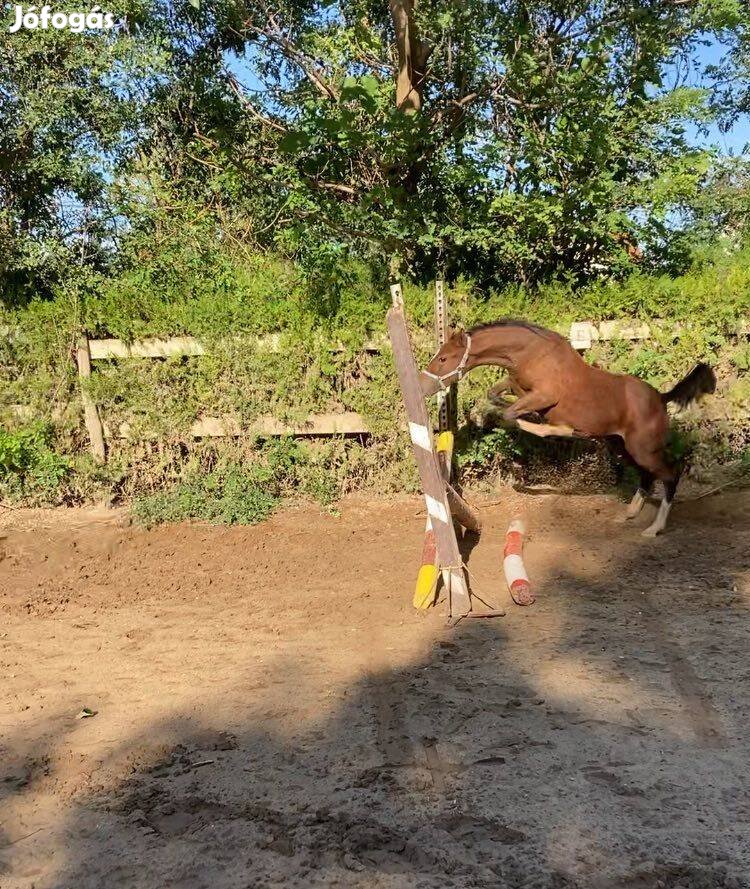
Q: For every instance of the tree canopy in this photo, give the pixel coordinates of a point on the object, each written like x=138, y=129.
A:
x=511, y=140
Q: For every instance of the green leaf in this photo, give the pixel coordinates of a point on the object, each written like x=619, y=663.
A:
x=294, y=142
x=370, y=85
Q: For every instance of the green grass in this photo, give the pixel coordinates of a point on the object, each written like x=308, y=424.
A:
x=231, y=495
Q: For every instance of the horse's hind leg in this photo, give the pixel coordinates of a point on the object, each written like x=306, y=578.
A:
x=653, y=464
x=641, y=493
x=617, y=446
x=660, y=522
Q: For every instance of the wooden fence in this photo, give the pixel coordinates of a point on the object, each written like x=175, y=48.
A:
x=582, y=335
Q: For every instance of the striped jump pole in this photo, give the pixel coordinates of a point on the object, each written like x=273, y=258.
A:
x=513, y=567
x=425, y=588
x=448, y=556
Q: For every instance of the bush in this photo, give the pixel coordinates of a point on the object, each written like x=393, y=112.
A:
x=246, y=491
x=28, y=465
x=230, y=495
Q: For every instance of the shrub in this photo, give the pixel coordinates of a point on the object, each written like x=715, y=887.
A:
x=28, y=465
x=228, y=495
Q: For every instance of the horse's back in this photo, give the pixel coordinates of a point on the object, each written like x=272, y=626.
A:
x=590, y=399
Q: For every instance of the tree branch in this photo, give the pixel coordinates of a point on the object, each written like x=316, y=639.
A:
x=413, y=54
x=248, y=105
x=275, y=35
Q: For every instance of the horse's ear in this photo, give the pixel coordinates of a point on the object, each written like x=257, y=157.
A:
x=458, y=332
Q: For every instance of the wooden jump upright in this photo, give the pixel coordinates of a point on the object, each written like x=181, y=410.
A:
x=439, y=496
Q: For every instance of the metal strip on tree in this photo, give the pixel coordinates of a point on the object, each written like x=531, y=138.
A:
x=447, y=400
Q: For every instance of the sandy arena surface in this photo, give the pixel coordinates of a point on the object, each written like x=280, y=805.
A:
x=270, y=710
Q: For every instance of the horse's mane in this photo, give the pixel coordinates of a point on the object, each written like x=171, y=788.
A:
x=514, y=322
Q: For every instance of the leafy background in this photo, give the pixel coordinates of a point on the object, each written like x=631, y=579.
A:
x=227, y=169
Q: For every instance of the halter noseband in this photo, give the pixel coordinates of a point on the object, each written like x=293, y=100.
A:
x=458, y=370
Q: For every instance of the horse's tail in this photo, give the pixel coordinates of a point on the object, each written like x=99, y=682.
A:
x=700, y=381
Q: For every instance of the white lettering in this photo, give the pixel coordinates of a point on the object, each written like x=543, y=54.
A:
x=19, y=20
x=31, y=19
x=95, y=19
x=77, y=22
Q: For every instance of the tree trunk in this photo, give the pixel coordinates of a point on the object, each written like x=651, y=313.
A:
x=413, y=54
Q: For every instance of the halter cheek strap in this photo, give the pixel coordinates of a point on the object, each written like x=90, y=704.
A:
x=458, y=370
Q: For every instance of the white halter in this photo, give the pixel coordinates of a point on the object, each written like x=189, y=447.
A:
x=458, y=370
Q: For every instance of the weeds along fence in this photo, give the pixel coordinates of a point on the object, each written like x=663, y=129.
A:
x=582, y=336
x=199, y=426
x=262, y=385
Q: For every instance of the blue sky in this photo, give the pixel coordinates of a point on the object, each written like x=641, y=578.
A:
x=735, y=141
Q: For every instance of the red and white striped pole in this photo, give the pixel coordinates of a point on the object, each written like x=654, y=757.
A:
x=513, y=567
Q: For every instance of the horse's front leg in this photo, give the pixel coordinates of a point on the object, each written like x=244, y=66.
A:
x=532, y=402
x=528, y=403
x=500, y=388
x=544, y=430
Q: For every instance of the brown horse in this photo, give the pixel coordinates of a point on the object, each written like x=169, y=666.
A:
x=552, y=380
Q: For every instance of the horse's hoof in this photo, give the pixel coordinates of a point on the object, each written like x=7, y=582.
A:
x=651, y=532
x=627, y=517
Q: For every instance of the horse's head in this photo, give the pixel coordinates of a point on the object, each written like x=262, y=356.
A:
x=448, y=365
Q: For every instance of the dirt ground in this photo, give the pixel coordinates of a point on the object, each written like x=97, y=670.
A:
x=270, y=711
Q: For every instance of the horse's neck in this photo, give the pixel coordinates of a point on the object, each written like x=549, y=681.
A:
x=498, y=345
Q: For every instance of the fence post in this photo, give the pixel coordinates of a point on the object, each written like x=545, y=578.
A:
x=90, y=413
x=447, y=401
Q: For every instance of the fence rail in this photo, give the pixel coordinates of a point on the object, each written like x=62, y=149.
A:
x=188, y=346
x=347, y=423
x=582, y=335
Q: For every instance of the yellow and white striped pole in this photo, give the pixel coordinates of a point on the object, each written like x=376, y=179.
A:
x=425, y=589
